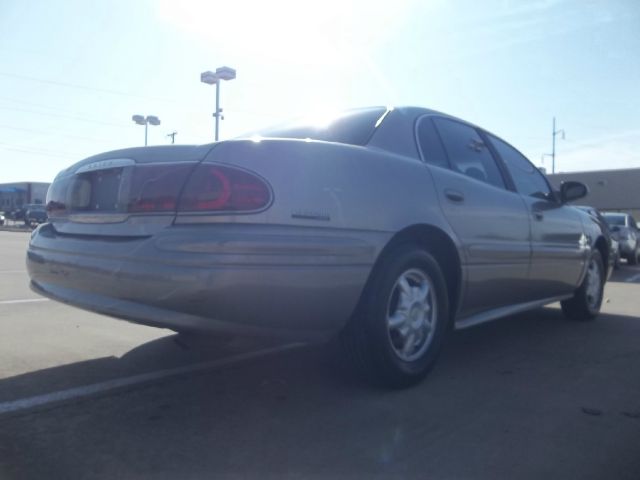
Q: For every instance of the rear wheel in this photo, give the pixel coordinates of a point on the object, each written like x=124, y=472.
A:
x=396, y=334
x=587, y=299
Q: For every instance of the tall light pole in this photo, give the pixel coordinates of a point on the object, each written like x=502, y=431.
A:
x=553, y=145
x=211, y=78
x=149, y=119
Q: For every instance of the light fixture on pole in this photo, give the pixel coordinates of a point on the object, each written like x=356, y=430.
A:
x=211, y=78
x=149, y=119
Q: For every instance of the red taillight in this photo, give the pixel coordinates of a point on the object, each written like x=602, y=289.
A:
x=56, y=203
x=155, y=188
x=219, y=188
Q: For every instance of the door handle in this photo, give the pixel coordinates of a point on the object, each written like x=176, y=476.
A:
x=538, y=215
x=454, y=195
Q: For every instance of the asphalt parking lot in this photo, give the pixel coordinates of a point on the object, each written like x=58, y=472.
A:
x=531, y=396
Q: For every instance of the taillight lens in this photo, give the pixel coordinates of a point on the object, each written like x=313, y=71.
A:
x=57, y=197
x=155, y=188
x=150, y=188
x=218, y=188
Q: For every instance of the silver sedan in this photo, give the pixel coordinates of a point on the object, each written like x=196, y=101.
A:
x=386, y=227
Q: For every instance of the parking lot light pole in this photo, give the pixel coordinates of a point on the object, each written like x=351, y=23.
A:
x=211, y=78
x=149, y=119
x=553, y=147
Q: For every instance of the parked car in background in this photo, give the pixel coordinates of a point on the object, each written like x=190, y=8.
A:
x=2, y=218
x=624, y=229
x=34, y=214
x=614, y=245
x=386, y=227
x=19, y=213
x=15, y=215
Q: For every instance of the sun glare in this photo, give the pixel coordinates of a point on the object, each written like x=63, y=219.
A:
x=320, y=48
x=321, y=119
x=275, y=30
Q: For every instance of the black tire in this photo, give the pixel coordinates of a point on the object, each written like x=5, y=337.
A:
x=587, y=299
x=633, y=258
x=375, y=346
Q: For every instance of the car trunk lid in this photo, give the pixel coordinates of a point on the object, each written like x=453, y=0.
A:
x=132, y=192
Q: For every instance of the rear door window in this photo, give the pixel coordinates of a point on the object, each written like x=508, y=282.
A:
x=430, y=144
x=467, y=152
x=527, y=178
x=351, y=127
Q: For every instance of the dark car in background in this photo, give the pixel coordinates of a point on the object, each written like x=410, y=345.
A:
x=34, y=214
x=614, y=245
x=15, y=215
x=624, y=229
x=20, y=214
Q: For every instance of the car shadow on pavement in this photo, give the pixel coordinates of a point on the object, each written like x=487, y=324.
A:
x=166, y=353
x=528, y=396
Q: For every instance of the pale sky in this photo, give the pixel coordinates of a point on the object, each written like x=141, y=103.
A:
x=73, y=72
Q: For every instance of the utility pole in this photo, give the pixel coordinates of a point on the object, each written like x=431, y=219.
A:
x=173, y=137
x=553, y=144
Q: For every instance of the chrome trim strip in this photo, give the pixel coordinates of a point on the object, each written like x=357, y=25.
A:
x=100, y=217
x=106, y=164
x=505, y=311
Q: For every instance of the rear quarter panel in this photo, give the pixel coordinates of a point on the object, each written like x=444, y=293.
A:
x=334, y=204
x=320, y=184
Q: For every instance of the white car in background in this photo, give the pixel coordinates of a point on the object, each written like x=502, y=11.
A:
x=624, y=229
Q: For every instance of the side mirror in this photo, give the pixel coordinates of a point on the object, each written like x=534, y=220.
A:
x=570, y=191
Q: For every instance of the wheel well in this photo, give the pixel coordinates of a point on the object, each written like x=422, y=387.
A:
x=444, y=251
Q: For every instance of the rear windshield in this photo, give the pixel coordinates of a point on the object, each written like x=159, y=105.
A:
x=353, y=127
x=612, y=219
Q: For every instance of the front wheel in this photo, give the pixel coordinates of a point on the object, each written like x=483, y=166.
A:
x=395, y=336
x=587, y=299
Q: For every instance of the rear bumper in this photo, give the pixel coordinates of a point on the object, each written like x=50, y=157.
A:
x=286, y=281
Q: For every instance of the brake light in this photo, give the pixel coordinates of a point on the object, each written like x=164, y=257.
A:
x=152, y=188
x=56, y=197
x=155, y=188
x=218, y=188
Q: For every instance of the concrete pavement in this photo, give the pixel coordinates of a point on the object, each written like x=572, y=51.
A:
x=530, y=396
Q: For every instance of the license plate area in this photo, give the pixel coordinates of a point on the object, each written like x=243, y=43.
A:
x=100, y=191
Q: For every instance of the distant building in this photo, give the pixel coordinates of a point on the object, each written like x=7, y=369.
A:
x=14, y=195
x=617, y=190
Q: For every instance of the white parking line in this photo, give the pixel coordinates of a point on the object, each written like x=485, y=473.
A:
x=635, y=278
x=102, y=387
x=13, y=271
x=23, y=300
